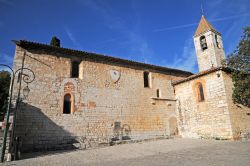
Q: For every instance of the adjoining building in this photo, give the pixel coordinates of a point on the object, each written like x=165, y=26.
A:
x=81, y=99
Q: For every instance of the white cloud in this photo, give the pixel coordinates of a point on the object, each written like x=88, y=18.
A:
x=242, y=16
x=137, y=46
x=175, y=27
x=235, y=17
x=72, y=38
x=187, y=60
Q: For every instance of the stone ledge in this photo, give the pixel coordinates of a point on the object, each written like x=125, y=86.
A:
x=166, y=99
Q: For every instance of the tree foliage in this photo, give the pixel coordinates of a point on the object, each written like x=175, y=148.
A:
x=55, y=41
x=4, y=89
x=239, y=61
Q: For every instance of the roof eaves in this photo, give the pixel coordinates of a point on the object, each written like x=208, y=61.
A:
x=226, y=69
x=198, y=34
x=26, y=44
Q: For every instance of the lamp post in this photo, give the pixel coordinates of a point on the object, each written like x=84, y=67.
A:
x=26, y=75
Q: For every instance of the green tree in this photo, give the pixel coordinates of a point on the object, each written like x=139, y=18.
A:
x=239, y=62
x=55, y=41
x=4, y=90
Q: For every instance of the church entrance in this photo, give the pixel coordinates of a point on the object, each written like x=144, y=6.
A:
x=173, y=127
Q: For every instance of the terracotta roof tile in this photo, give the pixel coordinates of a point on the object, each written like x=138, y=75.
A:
x=201, y=74
x=94, y=57
x=204, y=26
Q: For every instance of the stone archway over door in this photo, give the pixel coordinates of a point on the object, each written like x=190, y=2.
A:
x=173, y=127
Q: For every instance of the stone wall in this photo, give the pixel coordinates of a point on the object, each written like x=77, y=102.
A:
x=103, y=110
x=239, y=114
x=206, y=119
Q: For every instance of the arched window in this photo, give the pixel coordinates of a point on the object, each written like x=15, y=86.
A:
x=203, y=43
x=67, y=104
x=200, y=93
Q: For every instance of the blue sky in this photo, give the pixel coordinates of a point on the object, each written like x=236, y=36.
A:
x=158, y=32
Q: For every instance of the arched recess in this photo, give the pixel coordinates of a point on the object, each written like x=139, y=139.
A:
x=200, y=92
x=173, y=126
x=199, y=89
x=68, y=104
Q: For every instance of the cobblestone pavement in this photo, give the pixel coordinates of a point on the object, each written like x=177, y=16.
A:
x=161, y=152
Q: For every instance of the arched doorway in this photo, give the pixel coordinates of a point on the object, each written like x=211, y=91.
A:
x=67, y=104
x=173, y=127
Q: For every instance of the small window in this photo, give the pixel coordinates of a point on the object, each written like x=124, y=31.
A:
x=75, y=69
x=217, y=41
x=67, y=104
x=146, y=79
x=200, y=93
x=203, y=43
x=158, y=95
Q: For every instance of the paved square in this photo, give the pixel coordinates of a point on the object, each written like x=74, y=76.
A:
x=161, y=152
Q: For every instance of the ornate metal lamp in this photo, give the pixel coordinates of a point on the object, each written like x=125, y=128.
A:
x=26, y=92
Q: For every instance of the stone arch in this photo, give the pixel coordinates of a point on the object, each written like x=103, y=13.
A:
x=66, y=81
x=173, y=126
x=68, y=98
x=69, y=87
x=199, y=89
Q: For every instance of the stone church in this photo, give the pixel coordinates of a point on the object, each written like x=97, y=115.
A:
x=81, y=99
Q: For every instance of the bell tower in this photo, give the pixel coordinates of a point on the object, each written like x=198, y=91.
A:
x=208, y=46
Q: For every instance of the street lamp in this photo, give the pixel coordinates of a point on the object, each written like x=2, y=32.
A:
x=26, y=92
x=26, y=75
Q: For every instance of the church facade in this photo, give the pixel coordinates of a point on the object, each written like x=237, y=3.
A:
x=81, y=99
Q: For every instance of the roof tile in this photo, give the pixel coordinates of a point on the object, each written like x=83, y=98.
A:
x=204, y=26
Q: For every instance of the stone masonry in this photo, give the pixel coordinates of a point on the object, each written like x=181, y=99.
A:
x=103, y=110
x=207, y=119
x=215, y=117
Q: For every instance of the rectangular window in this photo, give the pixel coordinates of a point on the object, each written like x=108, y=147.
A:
x=158, y=95
x=146, y=79
x=217, y=41
x=75, y=69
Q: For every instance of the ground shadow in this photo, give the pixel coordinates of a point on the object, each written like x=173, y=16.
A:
x=38, y=133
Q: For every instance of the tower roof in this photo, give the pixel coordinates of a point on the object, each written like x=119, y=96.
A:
x=204, y=26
